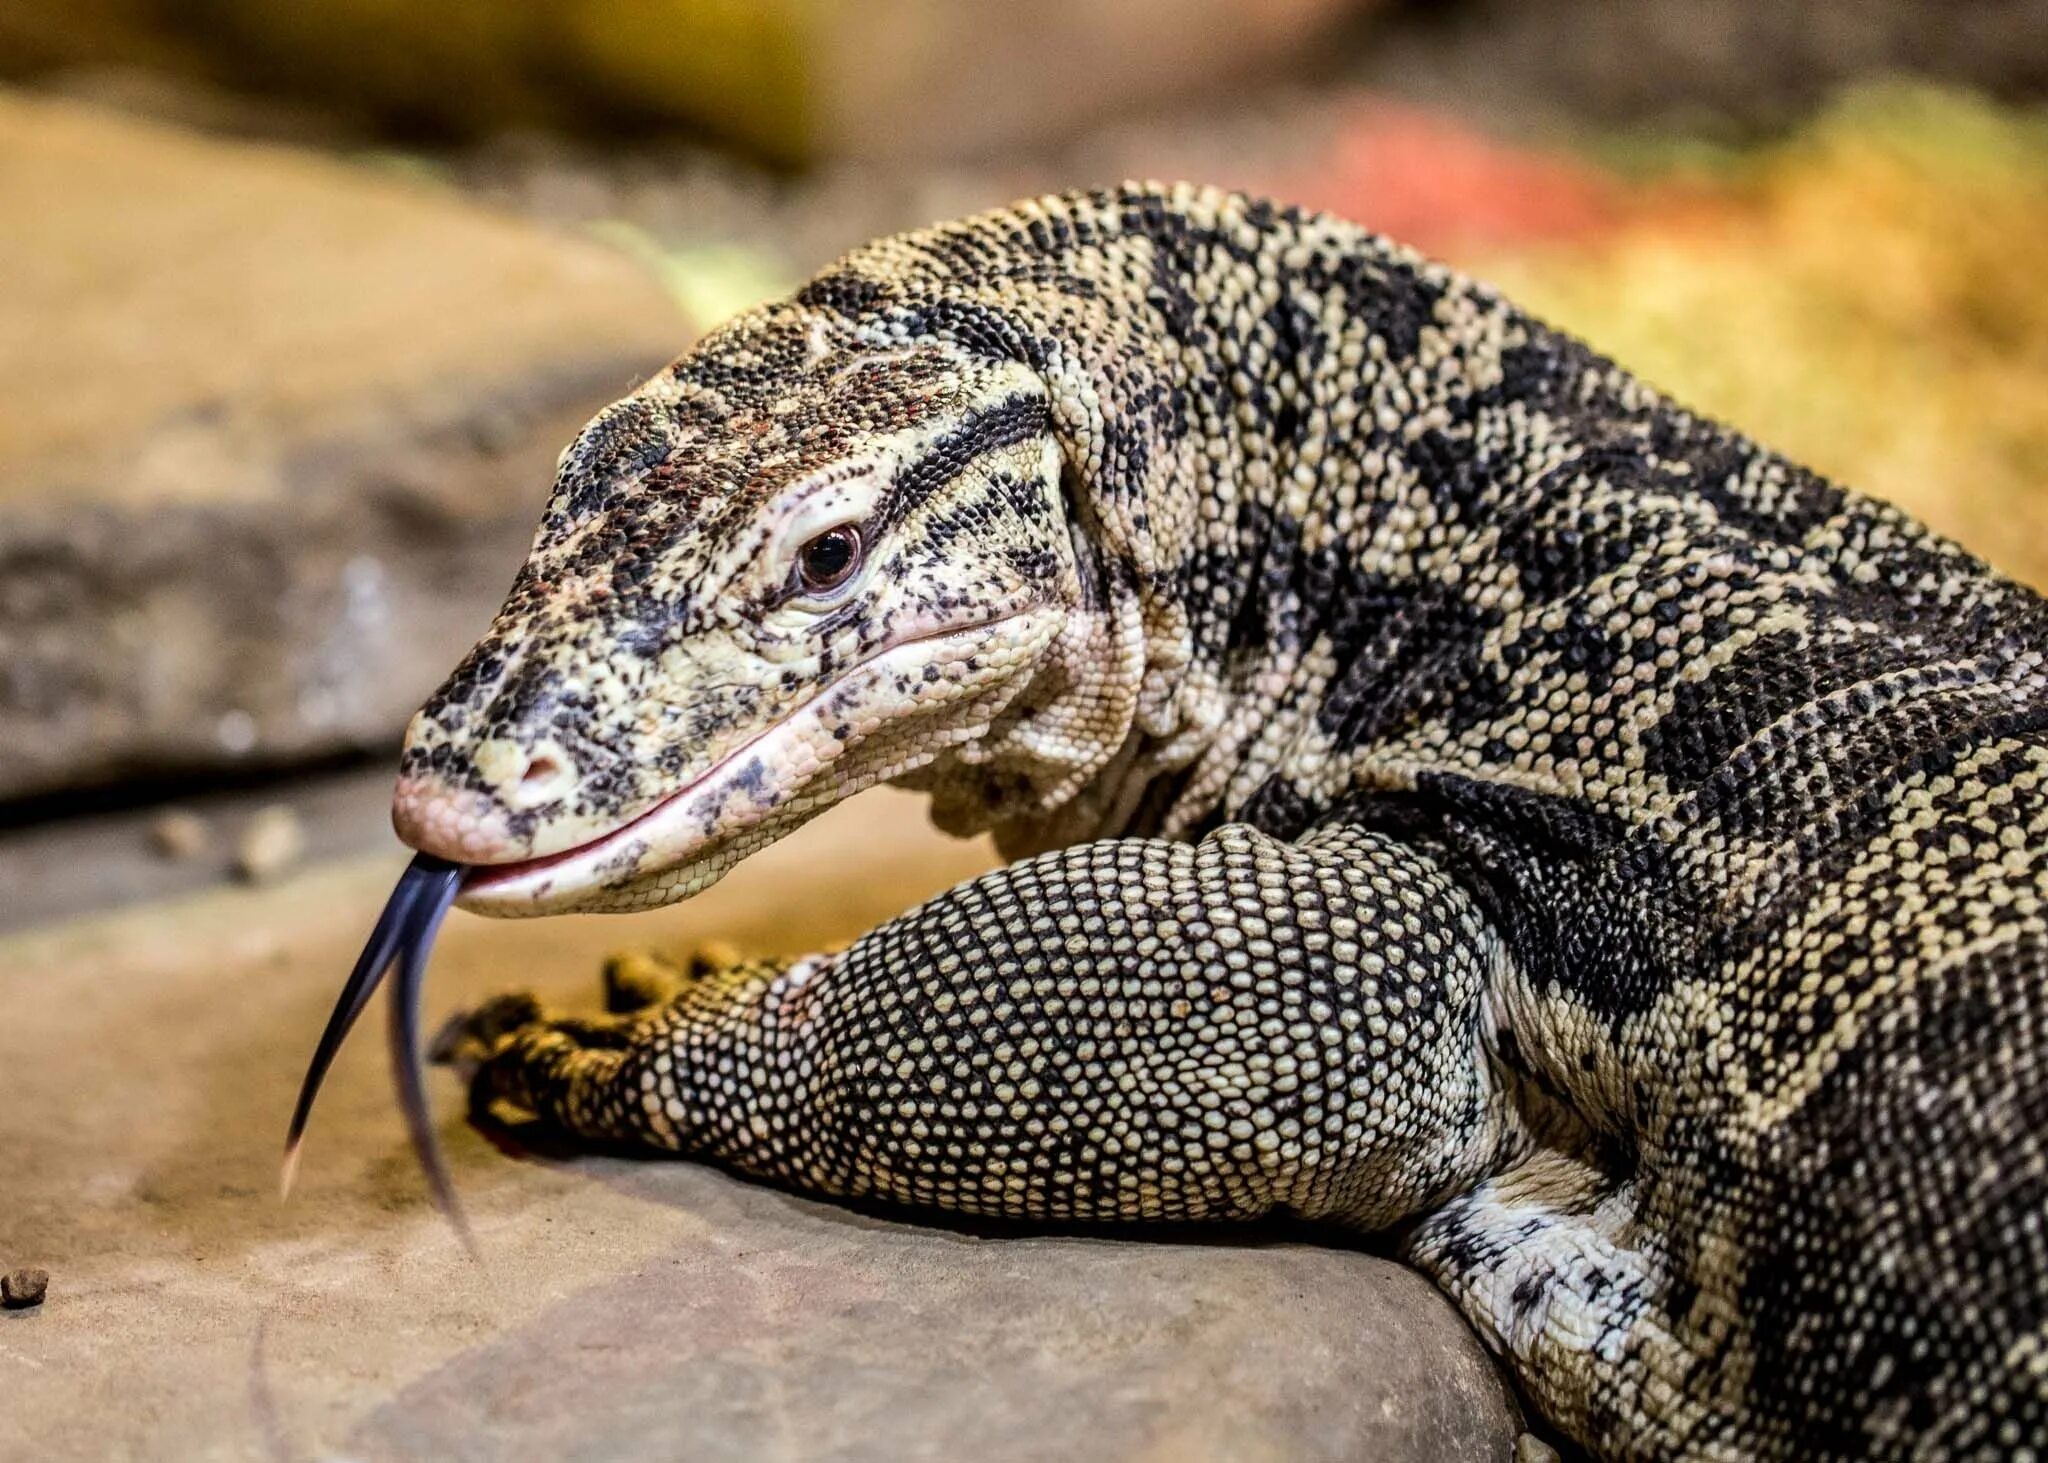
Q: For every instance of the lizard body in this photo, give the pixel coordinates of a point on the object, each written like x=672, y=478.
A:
x=1454, y=791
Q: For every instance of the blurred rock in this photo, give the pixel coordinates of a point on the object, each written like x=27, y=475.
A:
x=790, y=78
x=270, y=846
x=273, y=435
x=179, y=834
x=57, y=868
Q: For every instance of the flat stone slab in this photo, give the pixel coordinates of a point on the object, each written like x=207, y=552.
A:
x=625, y=1308
x=274, y=433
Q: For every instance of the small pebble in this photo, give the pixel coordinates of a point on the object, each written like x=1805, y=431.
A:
x=20, y=1289
x=177, y=834
x=270, y=845
x=1531, y=1449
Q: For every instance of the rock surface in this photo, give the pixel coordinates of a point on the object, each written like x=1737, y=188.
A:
x=271, y=843
x=274, y=432
x=626, y=1308
x=56, y=869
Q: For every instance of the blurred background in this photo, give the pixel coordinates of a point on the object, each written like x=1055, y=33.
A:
x=298, y=303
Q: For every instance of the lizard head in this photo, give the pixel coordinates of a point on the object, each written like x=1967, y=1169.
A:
x=799, y=562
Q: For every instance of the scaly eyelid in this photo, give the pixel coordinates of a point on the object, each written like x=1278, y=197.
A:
x=836, y=498
x=839, y=499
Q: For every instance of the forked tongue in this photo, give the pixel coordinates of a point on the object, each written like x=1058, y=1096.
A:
x=403, y=936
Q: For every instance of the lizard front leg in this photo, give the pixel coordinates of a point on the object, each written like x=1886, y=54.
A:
x=1125, y=1029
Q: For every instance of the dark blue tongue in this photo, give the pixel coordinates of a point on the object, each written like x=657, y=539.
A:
x=404, y=936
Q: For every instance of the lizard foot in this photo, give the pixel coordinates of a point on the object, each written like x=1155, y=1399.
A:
x=583, y=1073
x=512, y=1050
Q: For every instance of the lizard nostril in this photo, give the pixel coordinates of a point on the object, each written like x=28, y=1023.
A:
x=541, y=775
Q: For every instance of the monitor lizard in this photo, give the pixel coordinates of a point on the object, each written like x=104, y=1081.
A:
x=1454, y=791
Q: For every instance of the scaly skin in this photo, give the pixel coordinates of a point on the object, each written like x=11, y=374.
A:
x=1470, y=796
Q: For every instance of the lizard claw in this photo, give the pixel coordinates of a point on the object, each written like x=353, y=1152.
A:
x=637, y=980
x=467, y=1039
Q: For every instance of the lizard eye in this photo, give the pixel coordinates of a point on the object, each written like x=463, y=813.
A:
x=828, y=560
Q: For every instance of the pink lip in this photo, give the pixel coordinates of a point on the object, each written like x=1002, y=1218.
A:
x=484, y=876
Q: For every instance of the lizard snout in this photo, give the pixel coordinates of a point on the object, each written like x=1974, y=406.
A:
x=489, y=816
x=453, y=823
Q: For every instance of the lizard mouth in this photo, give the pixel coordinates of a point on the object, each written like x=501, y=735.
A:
x=537, y=877
x=738, y=792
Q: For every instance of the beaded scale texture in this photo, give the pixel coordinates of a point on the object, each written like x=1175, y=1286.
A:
x=1455, y=791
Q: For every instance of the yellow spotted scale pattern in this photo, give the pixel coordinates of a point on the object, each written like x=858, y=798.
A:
x=1454, y=791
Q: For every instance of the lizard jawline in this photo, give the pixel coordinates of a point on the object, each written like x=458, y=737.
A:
x=724, y=799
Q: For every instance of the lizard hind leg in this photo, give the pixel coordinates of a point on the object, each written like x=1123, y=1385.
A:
x=1550, y=1263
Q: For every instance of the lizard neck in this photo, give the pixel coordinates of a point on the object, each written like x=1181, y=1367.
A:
x=1265, y=418
x=1296, y=439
